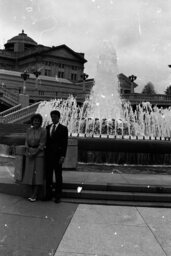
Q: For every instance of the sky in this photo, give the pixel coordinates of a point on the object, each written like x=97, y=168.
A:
x=139, y=30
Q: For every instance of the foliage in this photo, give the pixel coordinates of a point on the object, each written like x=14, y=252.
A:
x=148, y=89
x=168, y=90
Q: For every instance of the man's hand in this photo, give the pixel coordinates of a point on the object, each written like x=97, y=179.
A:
x=61, y=159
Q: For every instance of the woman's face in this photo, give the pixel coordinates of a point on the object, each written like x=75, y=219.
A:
x=36, y=123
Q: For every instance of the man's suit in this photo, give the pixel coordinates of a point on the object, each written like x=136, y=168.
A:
x=56, y=147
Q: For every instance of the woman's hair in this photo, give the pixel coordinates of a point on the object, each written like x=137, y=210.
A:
x=37, y=116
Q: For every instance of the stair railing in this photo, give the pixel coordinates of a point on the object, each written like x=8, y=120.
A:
x=11, y=97
x=20, y=114
x=10, y=110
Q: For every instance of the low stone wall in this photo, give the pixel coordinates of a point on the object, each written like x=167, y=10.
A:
x=6, y=129
x=13, y=148
x=70, y=159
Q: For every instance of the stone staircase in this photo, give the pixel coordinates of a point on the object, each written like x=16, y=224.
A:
x=8, y=97
x=18, y=114
x=117, y=194
x=8, y=111
x=106, y=188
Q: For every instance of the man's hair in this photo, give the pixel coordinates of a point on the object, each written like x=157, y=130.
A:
x=37, y=116
x=55, y=112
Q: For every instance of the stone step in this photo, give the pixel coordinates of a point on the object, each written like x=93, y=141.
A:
x=117, y=195
x=141, y=188
x=94, y=195
x=117, y=202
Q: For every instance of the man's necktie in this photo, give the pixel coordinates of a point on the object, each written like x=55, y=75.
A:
x=53, y=129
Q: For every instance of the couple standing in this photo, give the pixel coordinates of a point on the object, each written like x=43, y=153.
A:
x=45, y=154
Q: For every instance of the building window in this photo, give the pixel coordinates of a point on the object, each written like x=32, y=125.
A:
x=127, y=91
x=41, y=93
x=61, y=65
x=74, y=68
x=61, y=74
x=73, y=76
x=47, y=72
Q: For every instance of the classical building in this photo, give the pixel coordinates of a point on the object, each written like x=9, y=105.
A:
x=23, y=53
x=126, y=85
x=42, y=72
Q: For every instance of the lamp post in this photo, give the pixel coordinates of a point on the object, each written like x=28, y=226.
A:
x=25, y=75
x=132, y=78
x=84, y=76
x=37, y=74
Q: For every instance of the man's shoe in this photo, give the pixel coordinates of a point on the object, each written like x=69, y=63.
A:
x=57, y=200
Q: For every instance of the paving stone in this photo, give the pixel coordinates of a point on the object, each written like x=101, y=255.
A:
x=119, y=236
x=98, y=214
x=107, y=239
x=32, y=229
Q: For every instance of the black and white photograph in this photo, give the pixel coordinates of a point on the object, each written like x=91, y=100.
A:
x=85, y=127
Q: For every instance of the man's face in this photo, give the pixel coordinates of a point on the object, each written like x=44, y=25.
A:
x=55, y=118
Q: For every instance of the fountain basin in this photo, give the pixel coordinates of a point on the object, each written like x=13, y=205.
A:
x=124, y=145
x=124, y=151
x=108, y=150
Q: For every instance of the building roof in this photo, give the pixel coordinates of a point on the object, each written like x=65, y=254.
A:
x=123, y=77
x=34, y=48
x=22, y=37
x=79, y=55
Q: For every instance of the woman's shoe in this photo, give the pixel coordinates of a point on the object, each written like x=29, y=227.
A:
x=32, y=199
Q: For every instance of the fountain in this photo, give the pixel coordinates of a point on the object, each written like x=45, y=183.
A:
x=107, y=128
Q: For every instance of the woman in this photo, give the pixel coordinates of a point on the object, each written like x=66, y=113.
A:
x=35, y=144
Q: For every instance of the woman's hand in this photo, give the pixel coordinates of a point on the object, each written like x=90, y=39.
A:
x=32, y=152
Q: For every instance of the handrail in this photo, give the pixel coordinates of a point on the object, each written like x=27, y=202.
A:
x=10, y=110
x=9, y=95
x=19, y=114
x=147, y=97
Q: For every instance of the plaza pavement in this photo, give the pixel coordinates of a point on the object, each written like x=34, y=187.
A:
x=65, y=229
x=71, y=229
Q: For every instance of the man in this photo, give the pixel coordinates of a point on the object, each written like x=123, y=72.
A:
x=56, y=147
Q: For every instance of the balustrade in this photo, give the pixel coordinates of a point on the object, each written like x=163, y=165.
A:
x=10, y=110
x=19, y=114
x=13, y=98
x=153, y=99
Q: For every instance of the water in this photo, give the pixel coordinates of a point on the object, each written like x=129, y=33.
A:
x=104, y=113
x=105, y=101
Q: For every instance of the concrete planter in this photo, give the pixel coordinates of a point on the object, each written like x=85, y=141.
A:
x=19, y=162
x=71, y=158
x=69, y=163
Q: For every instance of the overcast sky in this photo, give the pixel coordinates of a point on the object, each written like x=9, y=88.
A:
x=140, y=31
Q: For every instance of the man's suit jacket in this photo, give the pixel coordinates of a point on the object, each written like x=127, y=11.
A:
x=56, y=144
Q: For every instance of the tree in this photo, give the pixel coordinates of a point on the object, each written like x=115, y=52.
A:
x=148, y=89
x=168, y=90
